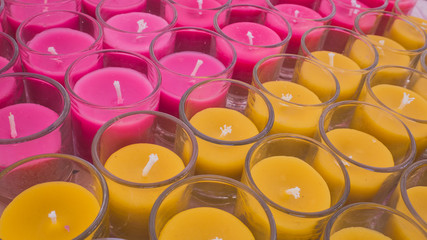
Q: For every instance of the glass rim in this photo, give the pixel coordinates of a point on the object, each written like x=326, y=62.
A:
x=356, y=35
x=97, y=39
x=408, y=159
x=423, y=60
x=105, y=195
x=104, y=23
x=76, y=97
x=23, y=2
x=15, y=48
x=306, y=59
x=346, y=4
x=404, y=193
x=323, y=19
x=203, y=9
x=271, y=11
x=397, y=17
x=209, y=178
x=319, y=145
x=372, y=73
x=368, y=206
x=260, y=135
x=186, y=171
x=156, y=60
x=61, y=117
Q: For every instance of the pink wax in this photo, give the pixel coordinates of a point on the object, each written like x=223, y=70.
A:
x=266, y=42
x=405, y=5
x=113, y=7
x=176, y=79
x=97, y=89
x=346, y=12
x=68, y=44
x=300, y=18
x=124, y=32
x=29, y=119
x=8, y=86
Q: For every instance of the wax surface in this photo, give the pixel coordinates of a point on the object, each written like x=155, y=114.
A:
x=205, y=223
x=26, y=217
x=345, y=14
x=190, y=14
x=407, y=35
x=417, y=196
x=358, y=233
x=222, y=159
x=386, y=55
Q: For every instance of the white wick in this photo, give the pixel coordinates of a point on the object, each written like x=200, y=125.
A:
x=141, y=25
x=12, y=124
x=331, y=58
x=226, y=130
x=200, y=3
x=196, y=68
x=355, y=5
x=153, y=158
x=296, y=13
x=380, y=49
x=405, y=101
x=118, y=92
x=294, y=192
x=52, y=50
x=288, y=97
x=250, y=37
x=217, y=238
x=52, y=216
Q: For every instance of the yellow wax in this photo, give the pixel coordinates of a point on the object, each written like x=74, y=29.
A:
x=274, y=176
x=27, y=216
x=345, y=70
x=130, y=207
x=289, y=118
x=385, y=55
x=205, y=223
x=392, y=96
x=420, y=87
x=222, y=159
x=362, y=148
x=420, y=21
x=406, y=34
x=358, y=233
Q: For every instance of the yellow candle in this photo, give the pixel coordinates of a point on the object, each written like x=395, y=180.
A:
x=49, y=211
x=346, y=70
x=362, y=148
x=417, y=197
x=293, y=184
x=289, y=118
x=138, y=163
x=407, y=35
x=358, y=233
x=386, y=56
x=223, y=124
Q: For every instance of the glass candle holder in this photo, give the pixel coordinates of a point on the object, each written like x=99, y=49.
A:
x=9, y=56
x=289, y=172
x=302, y=16
x=50, y=41
x=133, y=30
x=374, y=145
x=299, y=89
x=400, y=90
x=403, y=7
x=53, y=196
x=197, y=13
x=210, y=207
x=219, y=112
x=34, y=119
x=1, y=15
x=140, y=154
x=399, y=40
x=258, y=33
x=16, y=11
x=422, y=65
x=186, y=56
x=371, y=221
x=105, y=84
x=349, y=55
x=113, y=7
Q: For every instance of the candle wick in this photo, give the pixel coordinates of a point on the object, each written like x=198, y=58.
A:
x=380, y=49
x=153, y=158
x=196, y=68
x=294, y=192
x=12, y=124
x=141, y=25
x=200, y=3
x=250, y=37
x=405, y=101
x=288, y=97
x=225, y=131
x=52, y=50
x=356, y=11
x=296, y=13
x=217, y=238
x=118, y=92
x=52, y=216
x=331, y=58
x=67, y=228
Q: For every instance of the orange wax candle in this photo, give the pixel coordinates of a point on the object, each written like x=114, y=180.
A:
x=358, y=233
x=205, y=223
x=49, y=211
x=293, y=184
x=301, y=117
x=138, y=163
x=222, y=124
x=420, y=21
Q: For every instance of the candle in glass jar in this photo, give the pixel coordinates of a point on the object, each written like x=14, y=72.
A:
x=350, y=233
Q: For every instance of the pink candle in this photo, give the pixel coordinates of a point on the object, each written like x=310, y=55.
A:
x=180, y=71
x=346, y=12
x=22, y=120
x=113, y=7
